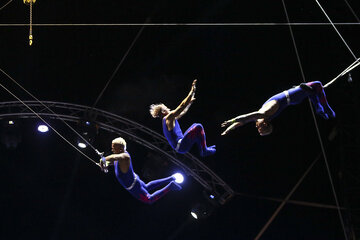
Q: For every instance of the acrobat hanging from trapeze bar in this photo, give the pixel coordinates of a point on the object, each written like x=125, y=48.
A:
x=126, y=176
x=277, y=103
x=195, y=134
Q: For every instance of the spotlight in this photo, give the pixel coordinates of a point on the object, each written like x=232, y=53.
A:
x=43, y=128
x=81, y=145
x=201, y=211
x=10, y=133
x=179, y=178
x=211, y=197
x=194, y=215
x=88, y=131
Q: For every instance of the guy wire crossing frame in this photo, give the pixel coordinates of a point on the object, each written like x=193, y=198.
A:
x=124, y=127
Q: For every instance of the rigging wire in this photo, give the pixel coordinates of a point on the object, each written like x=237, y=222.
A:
x=295, y=202
x=347, y=70
x=62, y=137
x=322, y=9
x=352, y=11
x=49, y=109
x=120, y=63
x=321, y=145
x=318, y=133
x=286, y=199
x=5, y=5
x=169, y=24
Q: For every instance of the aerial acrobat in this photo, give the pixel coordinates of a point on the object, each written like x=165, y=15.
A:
x=277, y=103
x=126, y=176
x=195, y=134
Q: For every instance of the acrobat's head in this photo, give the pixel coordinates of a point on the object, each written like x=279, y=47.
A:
x=159, y=110
x=264, y=127
x=118, y=145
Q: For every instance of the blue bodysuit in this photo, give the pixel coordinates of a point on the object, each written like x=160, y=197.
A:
x=136, y=187
x=182, y=143
x=295, y=95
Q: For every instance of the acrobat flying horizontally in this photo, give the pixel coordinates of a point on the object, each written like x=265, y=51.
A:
x=195, y=134
x=277, y=103
x=130, y=180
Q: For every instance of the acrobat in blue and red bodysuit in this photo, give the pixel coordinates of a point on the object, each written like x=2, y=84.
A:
x=313, y=90
x=140, y=190
x=277, y=103
x=182, y=143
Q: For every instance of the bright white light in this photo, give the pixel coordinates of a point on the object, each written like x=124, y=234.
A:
x=194, y=215
x=211, y=196
x=81, y=145
x=179, y=178
x=11, y=122
x=43, y=128
x=87, y=123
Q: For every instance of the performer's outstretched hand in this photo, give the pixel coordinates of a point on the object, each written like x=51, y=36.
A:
x=227, y=123
x=231, y=127
x=193, y=86
x=192, y=91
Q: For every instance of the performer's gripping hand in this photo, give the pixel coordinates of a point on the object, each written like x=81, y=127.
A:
x=102, y=165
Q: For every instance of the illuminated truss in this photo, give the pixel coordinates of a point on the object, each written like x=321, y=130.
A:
x=124, y=127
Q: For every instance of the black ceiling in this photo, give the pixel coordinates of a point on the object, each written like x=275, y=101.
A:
x=49, y=192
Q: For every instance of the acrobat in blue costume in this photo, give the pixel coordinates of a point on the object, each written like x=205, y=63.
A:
x=130, y=180
x=277, y=103
x=180, y=142
x=140, y=190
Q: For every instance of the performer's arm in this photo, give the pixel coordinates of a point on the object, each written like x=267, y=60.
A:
x=264, y=112
x=245, y=118
x=187, y=107
x=184, y=105
x=122, y=157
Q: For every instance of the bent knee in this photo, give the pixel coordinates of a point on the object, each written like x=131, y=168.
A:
x=198, y=126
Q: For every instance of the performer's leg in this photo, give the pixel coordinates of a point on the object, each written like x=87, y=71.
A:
x=314, y=99
x=320, y=99
x=158, y=183
x=298, y=94
x=196, y=134
x=148, y=198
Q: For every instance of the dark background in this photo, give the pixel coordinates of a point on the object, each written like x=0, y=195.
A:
x=48, y=191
